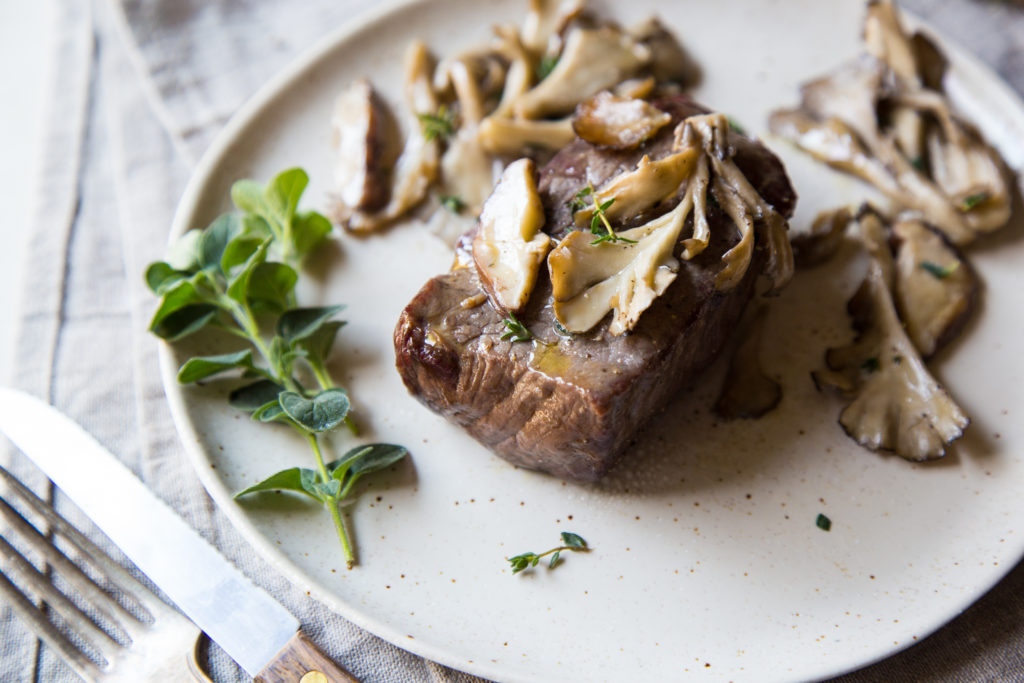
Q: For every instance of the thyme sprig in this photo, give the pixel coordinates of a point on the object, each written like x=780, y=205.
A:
x=570, y=541
x=437, y=126
x=515, y=330
x=599, y=223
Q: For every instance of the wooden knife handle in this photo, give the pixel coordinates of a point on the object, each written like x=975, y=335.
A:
x=302, y=662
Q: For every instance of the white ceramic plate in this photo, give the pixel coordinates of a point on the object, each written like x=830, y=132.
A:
x=707, y=561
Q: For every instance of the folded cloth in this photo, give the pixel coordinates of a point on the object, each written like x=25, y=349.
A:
x=140, y=89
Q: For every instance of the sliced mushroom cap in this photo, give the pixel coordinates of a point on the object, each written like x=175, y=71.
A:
x=359, y=133
x=748, y=392
x=590, y=280
x=935, y=289
x=509, y=248
x=617, y=122
x=593, y=59
x=897, y=405
x=417, y=165
x=650, y=183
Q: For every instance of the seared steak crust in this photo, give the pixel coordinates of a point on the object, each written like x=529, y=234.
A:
x=570, y=405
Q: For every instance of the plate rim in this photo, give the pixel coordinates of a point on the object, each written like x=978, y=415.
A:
x=265, y=95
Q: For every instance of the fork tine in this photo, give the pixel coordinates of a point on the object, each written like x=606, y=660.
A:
x=113, y=571
x=79, y=621
x=69, y=571
x=41, y=626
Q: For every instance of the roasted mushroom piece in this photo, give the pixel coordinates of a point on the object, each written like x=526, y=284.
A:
x=934, y=286
x=823, y=240
x=359, y=135
x=885, y=118
x=509, y=247
x=617, y=122
x=747, y=391
x=896, y=403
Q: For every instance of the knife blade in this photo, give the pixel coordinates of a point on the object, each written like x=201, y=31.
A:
x=253, y=628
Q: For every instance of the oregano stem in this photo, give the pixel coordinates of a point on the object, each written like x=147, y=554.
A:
x=332, y=503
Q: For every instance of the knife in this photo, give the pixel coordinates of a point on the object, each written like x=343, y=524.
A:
x=253, y=628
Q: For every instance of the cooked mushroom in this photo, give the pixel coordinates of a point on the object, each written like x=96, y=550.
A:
x=358, y=128
x=624, y=277
x=935, y=288
x=617, y=122
x=747, y=391
x=650, y=183
x=823, y=240
x=896, y=404
x=669, y=61
x=418, y=163
x=513, y=136
x=593, y=59
x=885, y=118
x=509, y=247
x=545, y=21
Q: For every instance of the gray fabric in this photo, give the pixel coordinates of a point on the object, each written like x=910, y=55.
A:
x=135, y=103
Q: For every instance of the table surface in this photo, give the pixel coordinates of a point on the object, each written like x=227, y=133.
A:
x=24, y=68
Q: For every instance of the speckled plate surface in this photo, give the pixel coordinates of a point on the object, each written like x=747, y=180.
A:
x=707, y=562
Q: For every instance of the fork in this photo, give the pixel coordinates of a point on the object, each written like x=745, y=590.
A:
x=101, y=637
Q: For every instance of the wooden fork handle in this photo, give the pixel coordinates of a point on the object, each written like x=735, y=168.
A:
x=302, y=662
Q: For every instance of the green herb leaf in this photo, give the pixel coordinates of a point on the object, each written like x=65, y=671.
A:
x=736, y=127
x=183, y=254
x=554, y=559
x=918, y=163
x=238, y=286
x=546, y=66
x=823, y=523
x=286, y=480
x=452, y=203
x=184, y=321
x=300, y=323
x=160, y=277
x=440, y=125
x=322, y=413
x=318, y=345
x=270, y=284
x=516, y=331
x=375, y=457
x=572, y=540
x=560, y=329
x=940, y=272
x=254, y=396
x=870, y=365
x=971, y=201
x=201, y=367
x=216, y=238
x=309, y=231
x=238, y=252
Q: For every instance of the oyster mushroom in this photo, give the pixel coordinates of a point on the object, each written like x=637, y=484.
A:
x=359, y=136
x=748, y=392
x=617, y=122
x=545, y=22
x=417, y=165
x=509, y=247
x=885, y=118
x=669, y=61
x=934, y=287
x=592, y=60
x=509, y=136
x=624, y=277
x=650, y=183
x=823, y=240
x=896, y=403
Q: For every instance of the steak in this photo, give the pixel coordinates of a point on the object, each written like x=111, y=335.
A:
x=570, y=405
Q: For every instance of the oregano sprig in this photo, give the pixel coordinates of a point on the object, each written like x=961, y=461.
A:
x=225, y=276
x=570, y=541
